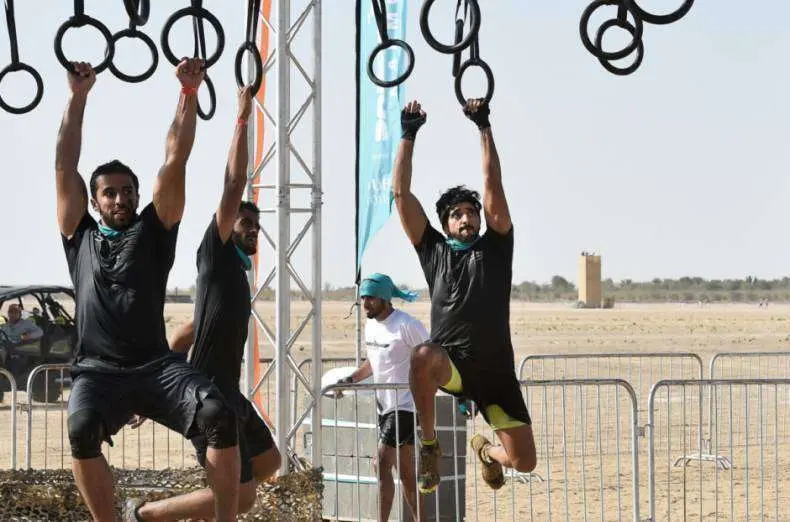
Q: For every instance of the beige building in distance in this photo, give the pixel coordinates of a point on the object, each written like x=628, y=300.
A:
x=590, y=280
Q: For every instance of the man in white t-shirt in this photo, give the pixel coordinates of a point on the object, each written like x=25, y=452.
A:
x=390, y=338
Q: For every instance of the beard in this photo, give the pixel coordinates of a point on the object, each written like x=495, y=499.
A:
x=247, y=244
x=118, y=221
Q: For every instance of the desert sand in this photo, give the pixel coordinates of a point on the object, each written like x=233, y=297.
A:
x=584, y=432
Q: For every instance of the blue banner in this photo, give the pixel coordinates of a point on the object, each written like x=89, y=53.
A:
x=378, y=125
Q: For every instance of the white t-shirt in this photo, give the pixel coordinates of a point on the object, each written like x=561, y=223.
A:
x=389, y=345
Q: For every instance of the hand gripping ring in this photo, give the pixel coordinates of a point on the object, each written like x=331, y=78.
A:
x=474, y=28
x=81, y=21
x=596, y=49
x=459, y=93
x=662, y=19
x=256, y=59
x=197, y=12
x=212, y=96
x=385, y=45
x=18, y=66
x=138, y=11
x=640, y=49
x=133, y=33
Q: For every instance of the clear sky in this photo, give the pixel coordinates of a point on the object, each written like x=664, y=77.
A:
x=679, y=169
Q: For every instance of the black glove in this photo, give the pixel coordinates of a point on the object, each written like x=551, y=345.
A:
x=480, y=116
x=410, y=123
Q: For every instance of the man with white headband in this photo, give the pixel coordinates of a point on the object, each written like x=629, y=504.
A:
x=390, y=338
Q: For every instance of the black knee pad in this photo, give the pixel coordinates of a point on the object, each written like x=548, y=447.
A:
x=218, y=423
x=86, y=433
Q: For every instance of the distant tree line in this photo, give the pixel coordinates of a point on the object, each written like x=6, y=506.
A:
x=683, y=290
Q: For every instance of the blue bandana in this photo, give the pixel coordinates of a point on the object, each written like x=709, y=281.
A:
x=109, y=232
x=460, y=246
x=381, y=286
x=245, y=259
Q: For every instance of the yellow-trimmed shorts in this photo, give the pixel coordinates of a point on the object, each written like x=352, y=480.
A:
x=498, y=419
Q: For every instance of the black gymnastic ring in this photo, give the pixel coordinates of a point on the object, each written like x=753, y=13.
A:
x=662, y=19
x=256, y=58
x=596, y=50
x=39, y=88
x=640, y=49
x=474, y=28
x=138, y=11
x=400, y=79
x=197, y=12
x=81, y=21
x=212, y=96
x=459, y=93
x=133, y=33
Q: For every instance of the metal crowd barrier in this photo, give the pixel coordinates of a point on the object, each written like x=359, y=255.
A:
x=750, y=365
x=350, y=432
x=740, y=473
x=13, y=424
x=587, y=440
x=641, y=370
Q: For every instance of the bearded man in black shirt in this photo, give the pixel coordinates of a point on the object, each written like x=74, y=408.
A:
x=469, y=278
x=119, y=268
x=218, y=332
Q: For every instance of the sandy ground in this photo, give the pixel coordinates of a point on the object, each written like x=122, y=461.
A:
x=584, y=433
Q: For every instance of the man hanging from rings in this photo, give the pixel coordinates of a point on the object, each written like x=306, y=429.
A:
x=469, y=278
x=218, y=332
x=119, y=267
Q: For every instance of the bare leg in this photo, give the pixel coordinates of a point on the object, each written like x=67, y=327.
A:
x=94, y=480
x=385, y=459
x=517, y=449
x=408, y=479
x=266, y=465
x=430, y=368
x=223, y=469
x=197, y=505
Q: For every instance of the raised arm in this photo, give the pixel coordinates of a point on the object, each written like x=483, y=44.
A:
x=495, y=206
x=412, y=215
x=183, y=337
x=169, y=187
x=236, y=170
x=72, y=195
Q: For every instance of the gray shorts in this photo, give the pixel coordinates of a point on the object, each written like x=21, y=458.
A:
x=169, y=393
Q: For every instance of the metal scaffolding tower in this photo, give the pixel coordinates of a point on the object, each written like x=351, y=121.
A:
x=274, y=150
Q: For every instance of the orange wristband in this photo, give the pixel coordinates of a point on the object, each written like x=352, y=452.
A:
x=188, y=91
x=241, y=121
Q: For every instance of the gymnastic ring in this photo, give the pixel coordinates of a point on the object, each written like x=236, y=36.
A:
x=662, y=19
x=256, y=58
x=400, y=79
x=197, y=12
x=138, y=11
x=39, y=88
x=596, y=51
x=474, y=28
x=81, y=21
x=640, y=49
x=133, y=33
x=212, y=96
x=459, y=94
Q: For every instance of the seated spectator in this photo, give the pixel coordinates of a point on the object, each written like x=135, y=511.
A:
x=18, y=330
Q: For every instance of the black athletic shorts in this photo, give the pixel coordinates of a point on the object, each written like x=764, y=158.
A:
x=254, y=438
x=489, y=387
x=404, y=428
x=169, y=392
